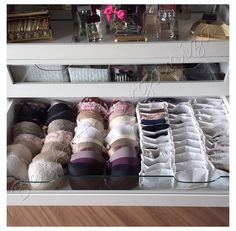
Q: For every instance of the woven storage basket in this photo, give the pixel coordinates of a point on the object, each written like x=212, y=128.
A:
x=40, y=73
x=87, y=74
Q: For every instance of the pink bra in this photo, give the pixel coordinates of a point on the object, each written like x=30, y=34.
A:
x=93, y=104
x=120, y=108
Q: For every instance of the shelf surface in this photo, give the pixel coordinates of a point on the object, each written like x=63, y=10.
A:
x=129, y=90
x=160, y=195
x=62, y=50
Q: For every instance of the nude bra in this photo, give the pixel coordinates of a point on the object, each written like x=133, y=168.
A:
x=59, y=136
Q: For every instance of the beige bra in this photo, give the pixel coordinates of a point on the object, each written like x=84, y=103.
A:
x=122, y=120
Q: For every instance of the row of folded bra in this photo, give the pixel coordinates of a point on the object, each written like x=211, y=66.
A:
x=176, y=140
x=48, y=163
x=96, y=141
x=212, y=117
x=98, y=151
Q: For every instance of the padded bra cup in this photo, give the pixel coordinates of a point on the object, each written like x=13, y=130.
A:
x=122, y=120
x=155, y=127
x=83, y=131
x=188, y=142
x=155, y=136
x=60, y=111
x=184, y=129
x=153, y=105
x=180, y=108
x=91, y=122
x=119, y=132
x=161, y=139
x=181, y=119
x=153, y=122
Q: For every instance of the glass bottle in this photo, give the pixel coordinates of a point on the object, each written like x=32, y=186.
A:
x=82, y=13
x=93, y=28
x=150, y=19
x=166, y=26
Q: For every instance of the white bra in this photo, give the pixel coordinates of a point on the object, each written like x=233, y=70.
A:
x=165, y=146
x=185, y=129
x=180, y=108
x=91, y=122
x=87, y=131
x=148, y=133
x=160, y=139
x=122, y=120
x=182, y=119
x=188, y=142
x=121, y=132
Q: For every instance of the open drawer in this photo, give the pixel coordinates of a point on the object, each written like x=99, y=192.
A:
x=161, y=190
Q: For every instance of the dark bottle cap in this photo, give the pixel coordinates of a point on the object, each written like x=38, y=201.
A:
x=93, y=18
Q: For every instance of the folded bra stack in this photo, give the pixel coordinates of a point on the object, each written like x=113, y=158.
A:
x=27, y=138
x=212, y=117
x=155, y=139
x=175, y=143
x=46, y=170
x=191, y=165
x=122, y=142
x=104, y=150
x=87, y=162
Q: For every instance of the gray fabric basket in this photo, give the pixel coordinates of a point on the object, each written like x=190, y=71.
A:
x=88, y=75
x=39, y=73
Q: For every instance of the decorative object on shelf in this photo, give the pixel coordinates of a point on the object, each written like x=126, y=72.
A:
x=166, y=26
x=82, y=12
x=134, y=19
x=130, y=38
x=87, y=74
x=93, y=28
x=28, y=26
x=210, y=30
x=150, y=19
x=115, y=17
x=129, y=30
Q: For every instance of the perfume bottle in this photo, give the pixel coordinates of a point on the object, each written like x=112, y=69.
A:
x=93, y=28
x=150, y=19
x=82, y=13
x=166, y=26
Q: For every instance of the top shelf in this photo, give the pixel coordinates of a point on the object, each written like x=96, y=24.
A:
x=63, y=50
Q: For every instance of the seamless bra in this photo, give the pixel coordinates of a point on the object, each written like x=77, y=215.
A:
x=85, y=132
x=119, y=132
x=122, y=120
